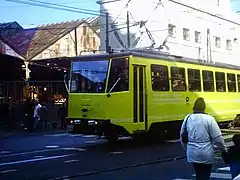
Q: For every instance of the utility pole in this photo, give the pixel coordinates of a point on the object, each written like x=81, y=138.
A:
x=107, y=34
x=128, y=31
x=208, y=45
x=75, y=41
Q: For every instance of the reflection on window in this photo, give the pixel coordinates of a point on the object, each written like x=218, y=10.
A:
x=208, y=82
x=89, y=76
x=119, y=69
x=178, y=79
x=160, y=80
x=220, y=82
x=194, y=80
x=231, y=79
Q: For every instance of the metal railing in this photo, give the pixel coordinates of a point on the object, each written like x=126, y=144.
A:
x=16, y=92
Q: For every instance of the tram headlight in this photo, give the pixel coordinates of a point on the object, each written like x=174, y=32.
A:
x=77, y=121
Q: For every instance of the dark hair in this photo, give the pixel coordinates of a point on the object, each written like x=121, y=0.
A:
x=236, y=139
x=199, y=106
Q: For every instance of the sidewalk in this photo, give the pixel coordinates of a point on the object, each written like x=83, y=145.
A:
x=4, y=135
x=21, y=132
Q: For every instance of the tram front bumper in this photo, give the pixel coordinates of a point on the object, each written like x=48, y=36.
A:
x=86, y=126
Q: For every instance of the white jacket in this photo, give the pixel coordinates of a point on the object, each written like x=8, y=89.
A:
x=203, y=134
x=36, y=110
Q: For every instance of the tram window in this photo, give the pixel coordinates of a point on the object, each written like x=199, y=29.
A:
x=89, y=76
x=194, y=80
x=178, y=79
x=208, y=82
x=231, y=79
x=160, y=80
x=220, y=82
x=238, y=79
x=119, y=69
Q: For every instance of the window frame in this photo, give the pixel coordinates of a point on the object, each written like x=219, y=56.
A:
x=186, y=34
x=204, y=80
x=173, y=78
x=162, y=66
x=197, y=34
x=172, y=30
x=199, y=80
x=220, y=81
x=232, y=83
x=109, y=75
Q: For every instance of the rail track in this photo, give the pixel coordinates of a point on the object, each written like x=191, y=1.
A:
x=89, y=173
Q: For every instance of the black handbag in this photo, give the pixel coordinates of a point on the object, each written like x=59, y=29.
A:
x=184, y=135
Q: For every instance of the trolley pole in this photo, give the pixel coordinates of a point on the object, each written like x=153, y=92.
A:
x=75, y=42
x=107, y=34
x=128, y=31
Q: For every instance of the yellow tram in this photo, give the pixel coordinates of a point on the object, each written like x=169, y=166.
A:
x=144, y=91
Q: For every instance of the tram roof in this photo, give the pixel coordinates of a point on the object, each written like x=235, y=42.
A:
x=155, y=55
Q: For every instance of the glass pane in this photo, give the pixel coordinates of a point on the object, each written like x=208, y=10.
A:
x=89, y=76
x=119, y=70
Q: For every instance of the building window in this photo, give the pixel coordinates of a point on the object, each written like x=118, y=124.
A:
x=235, y=40
x=217, y=42
x=84, y=30
x=172, y=30
x=229, y=44
x=160, y=80
x=186, y=34
x=197, y=37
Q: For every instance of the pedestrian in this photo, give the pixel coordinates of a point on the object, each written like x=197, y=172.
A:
x=62, y=115
x=36, y=115
x=43, y=115
x=199, y=133
x=29, y=111
x=233, y=156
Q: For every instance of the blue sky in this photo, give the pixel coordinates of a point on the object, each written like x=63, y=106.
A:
x=30, y=16
x=235, y=5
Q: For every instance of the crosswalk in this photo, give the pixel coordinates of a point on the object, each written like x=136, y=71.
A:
x=70, y=135
x=220, y=174
x=227, y=137
x=79, y=135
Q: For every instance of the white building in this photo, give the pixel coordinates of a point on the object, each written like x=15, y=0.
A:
x=206, y=30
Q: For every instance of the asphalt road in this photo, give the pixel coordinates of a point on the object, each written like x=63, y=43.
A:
x=64, y=156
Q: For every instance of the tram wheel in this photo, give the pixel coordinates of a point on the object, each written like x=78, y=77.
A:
x=112, y=139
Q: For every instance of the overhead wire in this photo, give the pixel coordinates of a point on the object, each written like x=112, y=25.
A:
x=60, y=7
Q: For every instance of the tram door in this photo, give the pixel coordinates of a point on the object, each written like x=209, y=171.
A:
x=139, y=97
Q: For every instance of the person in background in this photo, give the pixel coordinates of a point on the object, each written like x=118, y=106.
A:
x=62, y=115
x=203, y=133
x=232, y=157
x=43, y=116
x=28, y=111
x=36, y=115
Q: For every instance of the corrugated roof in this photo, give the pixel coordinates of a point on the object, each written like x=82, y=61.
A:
x=30, y=42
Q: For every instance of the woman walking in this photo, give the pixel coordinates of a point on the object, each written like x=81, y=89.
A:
x=199, y=133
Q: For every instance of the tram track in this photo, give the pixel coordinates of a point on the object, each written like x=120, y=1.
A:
x=90, y=173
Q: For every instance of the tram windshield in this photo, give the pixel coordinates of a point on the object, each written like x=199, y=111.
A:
x=89, y=76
